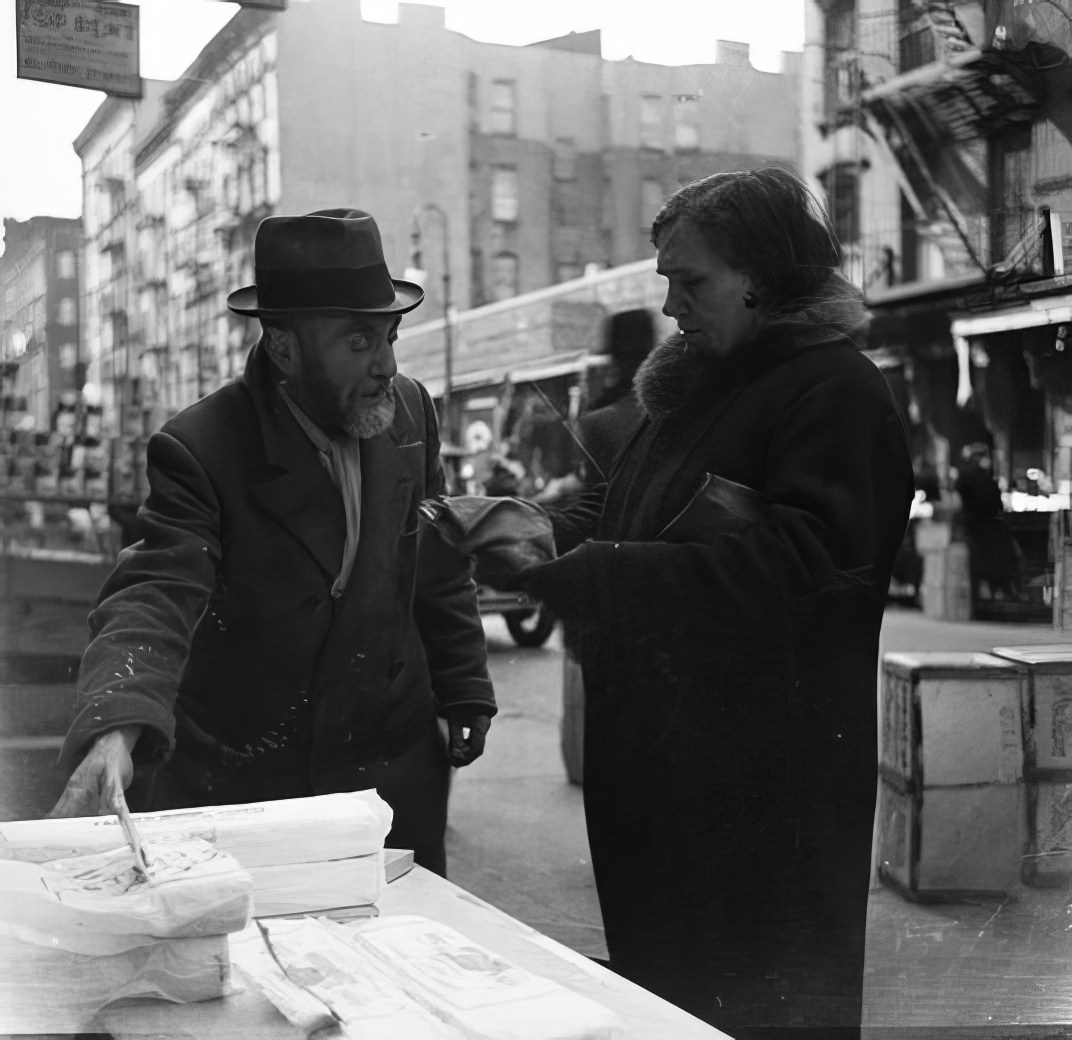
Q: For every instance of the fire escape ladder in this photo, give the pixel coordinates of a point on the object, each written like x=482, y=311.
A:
x=919, y=161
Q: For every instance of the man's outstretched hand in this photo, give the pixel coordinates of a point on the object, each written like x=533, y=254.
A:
x=466, y=741
x=101, y=777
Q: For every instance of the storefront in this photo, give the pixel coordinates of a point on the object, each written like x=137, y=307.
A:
x=974, y=375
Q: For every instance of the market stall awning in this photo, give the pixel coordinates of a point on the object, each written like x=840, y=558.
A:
x=547, y=367
x=1053, y=310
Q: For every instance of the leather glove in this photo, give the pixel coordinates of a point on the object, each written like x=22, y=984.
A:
x=467, y=736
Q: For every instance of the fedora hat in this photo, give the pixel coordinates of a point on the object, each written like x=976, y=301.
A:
x=330, y=260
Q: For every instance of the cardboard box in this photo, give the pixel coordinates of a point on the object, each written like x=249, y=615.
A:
x=1048, y=860
x=1047, y=709
x=951, y=718
x=948, y=842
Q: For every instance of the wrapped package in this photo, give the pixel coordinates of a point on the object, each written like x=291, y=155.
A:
x=103, y=903
x=257, y=834
x=482, y=994
x=410, y=978
x=301, y=888
x=317, y=979
x=305, y=855
x=51, y=990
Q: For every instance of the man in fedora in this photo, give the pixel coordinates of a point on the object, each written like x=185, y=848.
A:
x=273, y=634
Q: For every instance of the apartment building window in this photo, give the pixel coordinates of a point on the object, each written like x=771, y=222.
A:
x=65, y=264
x=472, y=100
x=505, y=204
x=1010, y=181
x=686, y=123
x=651, y=121
x=910, y=242
x=504, y=276
x=504, y=106
x=652, y=198
x=68, y=355
x=565, y=164
x=841, y=65
x=476, y=278
x=65, y=313
x=841, y=184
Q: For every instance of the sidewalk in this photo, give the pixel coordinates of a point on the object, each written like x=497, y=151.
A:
x=984, y=969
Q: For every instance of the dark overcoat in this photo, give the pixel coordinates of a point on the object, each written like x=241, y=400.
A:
x=730, y=678
x=218, y=631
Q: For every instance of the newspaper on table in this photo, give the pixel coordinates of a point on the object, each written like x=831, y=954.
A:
x=410, y=978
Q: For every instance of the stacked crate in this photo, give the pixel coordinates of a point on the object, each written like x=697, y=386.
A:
x=1047, y=672
x=952, y=806
x=946, y=589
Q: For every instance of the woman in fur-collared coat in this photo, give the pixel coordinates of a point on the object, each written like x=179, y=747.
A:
x=730, y=642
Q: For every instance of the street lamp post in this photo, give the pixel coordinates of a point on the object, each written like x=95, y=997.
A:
x=445, y=423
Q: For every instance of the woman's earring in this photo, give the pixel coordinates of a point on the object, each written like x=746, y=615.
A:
x=751, y=301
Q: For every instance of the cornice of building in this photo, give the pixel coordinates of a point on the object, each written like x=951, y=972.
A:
x=110, y=107
x=246, y=27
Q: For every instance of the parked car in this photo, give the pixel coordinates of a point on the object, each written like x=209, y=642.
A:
x=529, y=622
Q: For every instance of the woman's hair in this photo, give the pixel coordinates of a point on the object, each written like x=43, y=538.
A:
x=766, y=222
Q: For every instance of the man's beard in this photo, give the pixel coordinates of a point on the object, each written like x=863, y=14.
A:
x=363, y=423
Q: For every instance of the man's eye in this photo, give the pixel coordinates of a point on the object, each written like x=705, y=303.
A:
x=359, y=341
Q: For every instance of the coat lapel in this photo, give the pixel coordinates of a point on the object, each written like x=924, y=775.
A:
x=700, y=430
x=300, y=495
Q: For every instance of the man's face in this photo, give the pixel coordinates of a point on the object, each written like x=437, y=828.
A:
x=343, y=370
x=704, y=294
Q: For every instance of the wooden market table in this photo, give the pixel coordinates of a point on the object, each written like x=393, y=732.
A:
x=249, y=1014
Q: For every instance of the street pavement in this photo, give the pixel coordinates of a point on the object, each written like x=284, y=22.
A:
x=996, y=968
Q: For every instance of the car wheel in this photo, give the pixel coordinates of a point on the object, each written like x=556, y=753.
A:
x=530, y=627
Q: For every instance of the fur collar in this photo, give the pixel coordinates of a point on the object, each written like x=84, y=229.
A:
x=670, y=380
x=669, y=377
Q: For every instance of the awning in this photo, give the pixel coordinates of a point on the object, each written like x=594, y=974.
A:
x=1053, y=310
x=547, y=367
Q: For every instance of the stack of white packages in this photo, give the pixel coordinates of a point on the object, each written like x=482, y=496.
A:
x=304, y=854
x=409, y=978
x=82, y=932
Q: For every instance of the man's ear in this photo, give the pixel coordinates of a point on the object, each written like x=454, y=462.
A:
x=281, y=345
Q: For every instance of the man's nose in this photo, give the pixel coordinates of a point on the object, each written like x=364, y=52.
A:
x=384, y=365
x=669, y=308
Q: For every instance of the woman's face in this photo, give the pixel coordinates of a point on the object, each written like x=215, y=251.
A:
x=704, y=294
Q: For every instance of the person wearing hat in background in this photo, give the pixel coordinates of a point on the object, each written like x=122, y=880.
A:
x=281, y=630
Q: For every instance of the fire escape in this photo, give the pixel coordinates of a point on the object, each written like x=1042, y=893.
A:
x=935, y=122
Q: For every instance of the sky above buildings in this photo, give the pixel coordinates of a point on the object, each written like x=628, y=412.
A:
x=41, y=175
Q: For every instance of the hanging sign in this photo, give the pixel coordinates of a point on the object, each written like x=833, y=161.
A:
x=79, y=43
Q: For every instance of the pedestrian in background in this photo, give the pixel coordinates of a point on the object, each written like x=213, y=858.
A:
x=271, y=634
x=729, y=636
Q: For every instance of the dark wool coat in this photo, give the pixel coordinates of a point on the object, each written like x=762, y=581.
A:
x=730, y=678
x=218, y=631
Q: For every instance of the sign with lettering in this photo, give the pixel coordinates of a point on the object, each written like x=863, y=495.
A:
x=79, y=43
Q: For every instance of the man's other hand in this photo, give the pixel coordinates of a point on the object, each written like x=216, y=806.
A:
x=467, y=739
x=101, y=777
